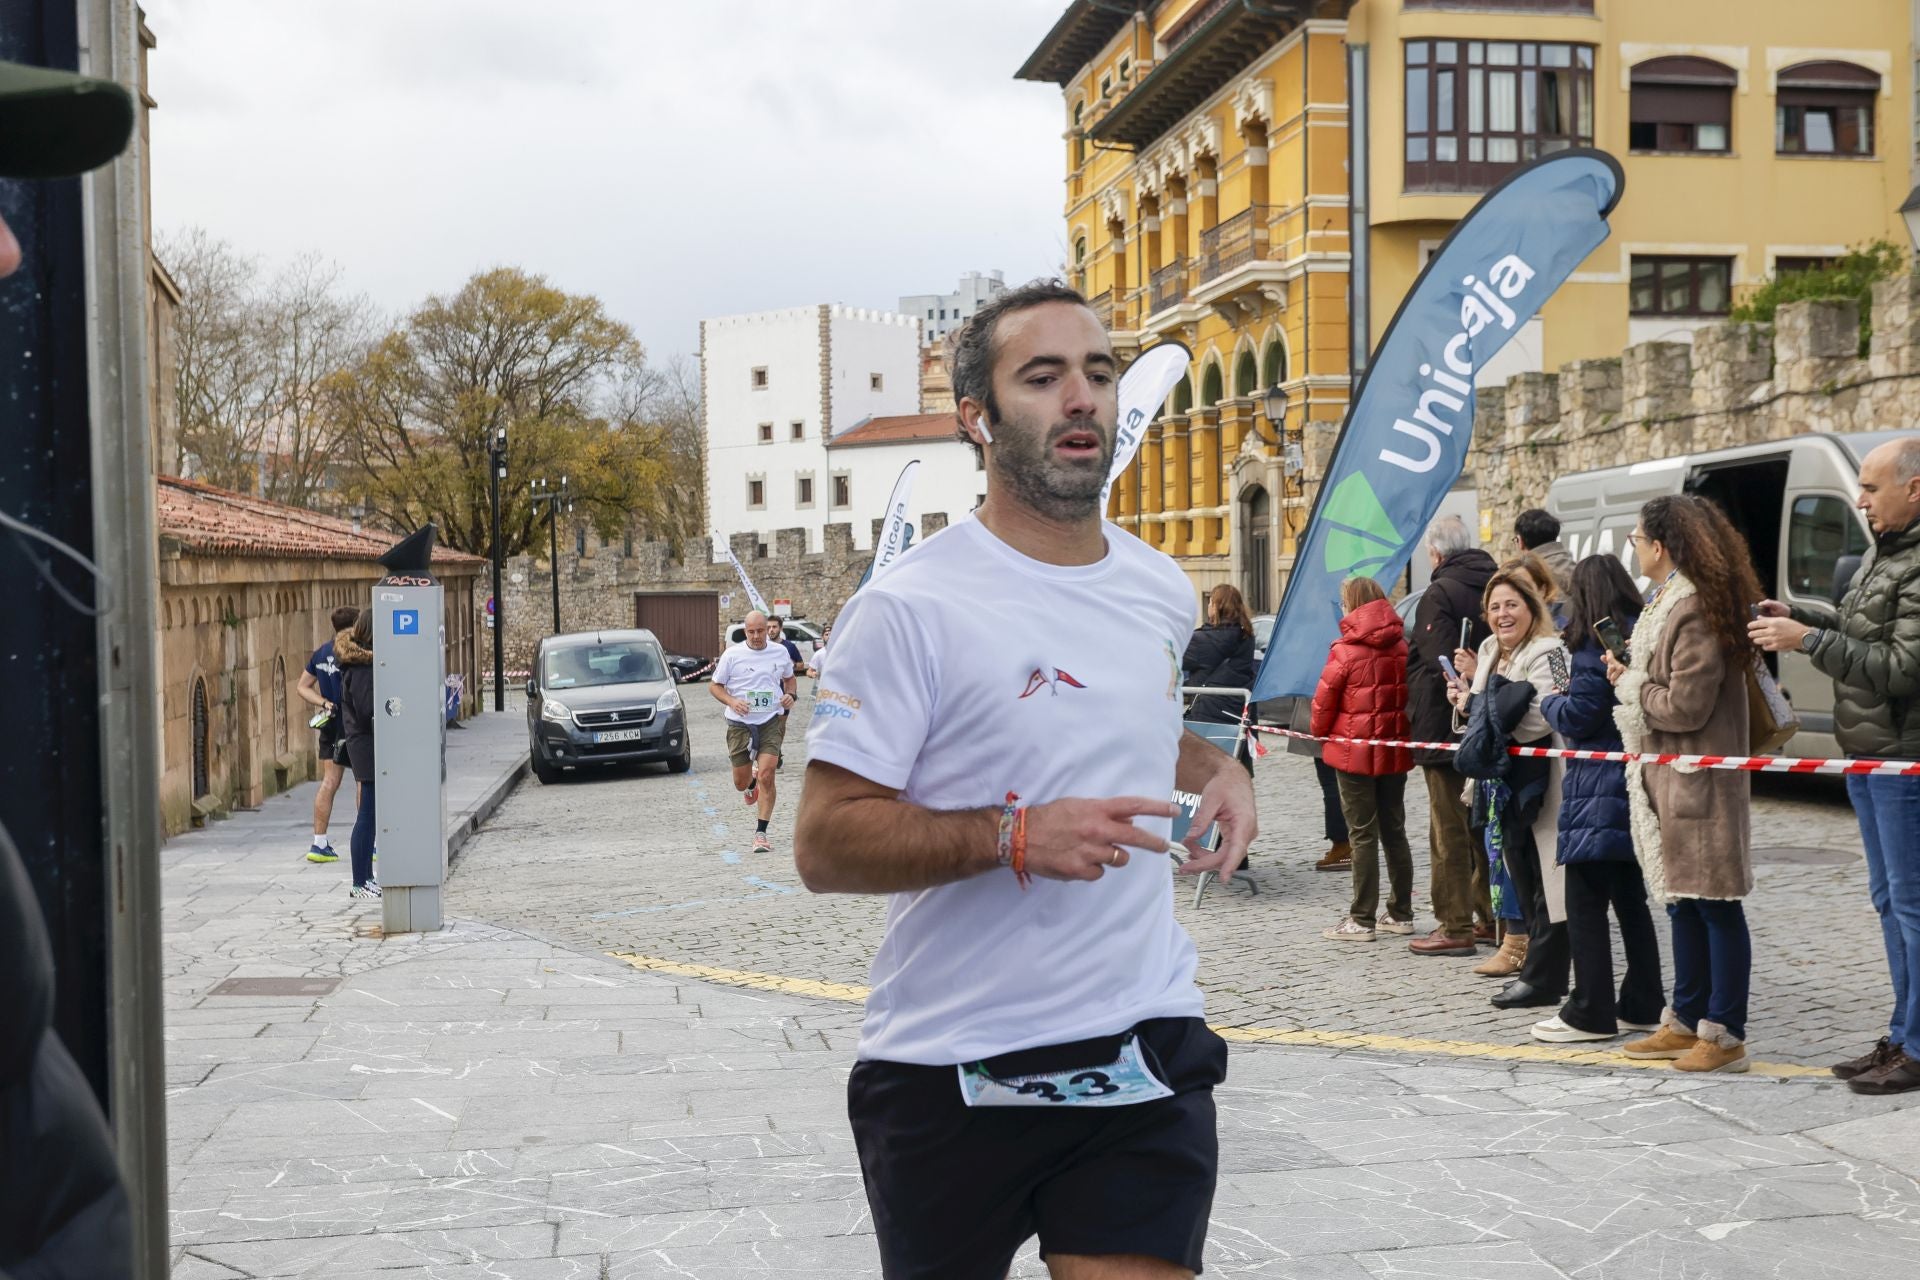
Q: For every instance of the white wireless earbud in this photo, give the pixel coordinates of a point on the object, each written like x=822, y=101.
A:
x=981, y=423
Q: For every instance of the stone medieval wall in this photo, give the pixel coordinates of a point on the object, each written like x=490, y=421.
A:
x=597, y=588
x=1736, y=384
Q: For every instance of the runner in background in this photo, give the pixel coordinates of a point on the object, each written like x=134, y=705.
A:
x=754, y=681
x=320, y=688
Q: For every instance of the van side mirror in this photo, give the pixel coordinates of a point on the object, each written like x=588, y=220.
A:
x=1844, y=570
x=529, y=686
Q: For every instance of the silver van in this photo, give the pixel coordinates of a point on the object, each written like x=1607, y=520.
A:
x=1793, y=499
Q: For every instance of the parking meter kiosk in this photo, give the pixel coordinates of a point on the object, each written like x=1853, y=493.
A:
x=410, y=736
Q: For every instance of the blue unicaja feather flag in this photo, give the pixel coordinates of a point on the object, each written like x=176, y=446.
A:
x=1405, y=439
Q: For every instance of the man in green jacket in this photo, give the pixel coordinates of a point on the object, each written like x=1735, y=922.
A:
x=1873, y=654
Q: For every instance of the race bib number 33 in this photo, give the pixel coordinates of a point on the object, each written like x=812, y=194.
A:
x=1125, y=1081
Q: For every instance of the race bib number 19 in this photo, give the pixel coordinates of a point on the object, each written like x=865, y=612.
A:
x=1123, y=1082
x=759, y=700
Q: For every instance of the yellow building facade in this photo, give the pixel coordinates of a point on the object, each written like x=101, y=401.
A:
x=1206, y=201
x=1755, y=135
x=1221, y=153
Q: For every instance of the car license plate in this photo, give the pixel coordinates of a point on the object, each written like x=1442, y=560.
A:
x=619, y=735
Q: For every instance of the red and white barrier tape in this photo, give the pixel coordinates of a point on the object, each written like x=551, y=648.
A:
x=1745, y=764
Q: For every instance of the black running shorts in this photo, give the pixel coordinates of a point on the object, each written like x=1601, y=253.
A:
x=329, y=738
x=956, y=1190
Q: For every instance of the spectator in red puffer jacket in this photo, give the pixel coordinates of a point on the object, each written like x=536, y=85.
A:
x=1363, y=694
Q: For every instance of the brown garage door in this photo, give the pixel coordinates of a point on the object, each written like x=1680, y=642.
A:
x=685, y=621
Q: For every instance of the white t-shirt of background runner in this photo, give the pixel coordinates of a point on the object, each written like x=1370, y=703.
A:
x=755, y=676
x=969, y=671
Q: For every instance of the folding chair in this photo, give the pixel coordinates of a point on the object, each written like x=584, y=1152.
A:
x=1227, y=737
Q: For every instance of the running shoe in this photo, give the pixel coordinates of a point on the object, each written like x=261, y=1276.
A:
x=371, y=889
x=761, y=844
x=752, y=794
x=322, y=853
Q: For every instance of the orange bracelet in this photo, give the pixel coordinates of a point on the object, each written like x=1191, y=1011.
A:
x=1020, y=848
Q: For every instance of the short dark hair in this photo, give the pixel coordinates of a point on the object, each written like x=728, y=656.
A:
x=343, y=617
x=970, y=347
x=1536, y=527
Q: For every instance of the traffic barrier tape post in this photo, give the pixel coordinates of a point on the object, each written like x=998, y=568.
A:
x=1745, y=764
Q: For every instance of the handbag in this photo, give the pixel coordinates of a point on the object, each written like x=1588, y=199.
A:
x=1771, y=719
x=1491, y=718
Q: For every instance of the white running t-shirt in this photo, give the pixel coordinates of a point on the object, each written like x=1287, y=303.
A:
x=755, y=676
x=969, y=671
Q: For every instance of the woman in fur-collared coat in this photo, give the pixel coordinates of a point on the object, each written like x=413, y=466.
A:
x=1685, y=691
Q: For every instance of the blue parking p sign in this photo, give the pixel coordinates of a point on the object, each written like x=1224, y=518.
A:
x=406, y=622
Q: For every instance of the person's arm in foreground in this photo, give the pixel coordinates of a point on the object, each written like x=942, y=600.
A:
x=853, y=835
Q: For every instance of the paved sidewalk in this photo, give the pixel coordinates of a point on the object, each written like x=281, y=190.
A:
x=483, y=1103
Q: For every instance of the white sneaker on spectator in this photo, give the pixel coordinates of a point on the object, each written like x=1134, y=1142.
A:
x=1348, y=930
x=371, y=889
x=1554, y=1031
x=1387, y=924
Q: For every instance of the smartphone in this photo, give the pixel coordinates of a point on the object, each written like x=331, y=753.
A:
x=1466, y=632
x=1446, y=665
x=1753, y=611
x=1607, y=632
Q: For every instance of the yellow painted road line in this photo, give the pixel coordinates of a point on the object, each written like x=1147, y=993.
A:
x=1546, y=1053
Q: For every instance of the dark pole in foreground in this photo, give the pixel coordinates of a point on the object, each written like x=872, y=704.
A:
x=499, y=473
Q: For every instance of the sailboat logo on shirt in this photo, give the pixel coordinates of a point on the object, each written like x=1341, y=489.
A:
x=1040, y=679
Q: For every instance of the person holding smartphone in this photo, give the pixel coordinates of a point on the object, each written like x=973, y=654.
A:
x=1516, y=812
x=1594, y=844
x=1684, y=691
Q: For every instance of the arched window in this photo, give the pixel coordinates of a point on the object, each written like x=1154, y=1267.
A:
x=1274, y=371
x=1183, y=395
x=198, y=742
x=1080, y=264
x=279, y=705
x=1681, y=104
x=1246, y=376
x=1211, y=391
x=1825, y=108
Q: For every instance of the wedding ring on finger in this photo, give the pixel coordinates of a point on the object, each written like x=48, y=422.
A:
x=1114, y=861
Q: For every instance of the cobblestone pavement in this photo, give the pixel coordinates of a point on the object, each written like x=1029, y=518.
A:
x=494, y=1102
x=660, y=865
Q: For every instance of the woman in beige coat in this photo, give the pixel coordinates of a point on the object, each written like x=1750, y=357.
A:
x=1684, y=691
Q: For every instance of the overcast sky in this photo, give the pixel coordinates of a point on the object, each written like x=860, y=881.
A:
x=679, y=158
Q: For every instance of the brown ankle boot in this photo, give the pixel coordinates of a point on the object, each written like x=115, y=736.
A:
x=1337, y=858
x=1715, y=1049
x=1508, y=960
x=1672, y=1040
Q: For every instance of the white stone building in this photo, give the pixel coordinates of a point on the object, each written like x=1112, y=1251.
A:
x=941, y=313
x=872, y=454
x=775, y=387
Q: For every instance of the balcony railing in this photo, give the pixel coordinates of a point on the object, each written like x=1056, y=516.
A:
x=1235, y=242
x=1170, y=284
x=1102, y=304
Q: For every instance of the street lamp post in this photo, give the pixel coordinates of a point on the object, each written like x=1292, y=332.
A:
x=497, y=473
x=556, y=500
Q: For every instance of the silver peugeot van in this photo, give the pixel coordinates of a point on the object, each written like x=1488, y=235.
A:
x=1794, y=499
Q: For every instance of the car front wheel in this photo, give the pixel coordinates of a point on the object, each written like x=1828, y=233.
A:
x=547, y=773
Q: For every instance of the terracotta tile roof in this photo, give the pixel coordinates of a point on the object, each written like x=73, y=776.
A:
x=896, y=430
x=204, y=520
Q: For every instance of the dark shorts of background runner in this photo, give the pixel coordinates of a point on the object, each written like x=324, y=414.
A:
x=740, y=740
x=329, y=738
x=956, y=1190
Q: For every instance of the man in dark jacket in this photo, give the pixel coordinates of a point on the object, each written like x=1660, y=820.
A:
x=1538, y=532
x=1458, y=887
x=63, y=1211
x=1872, y=652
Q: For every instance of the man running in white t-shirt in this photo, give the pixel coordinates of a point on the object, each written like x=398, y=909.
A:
x=754, y=681
x=989, y=750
